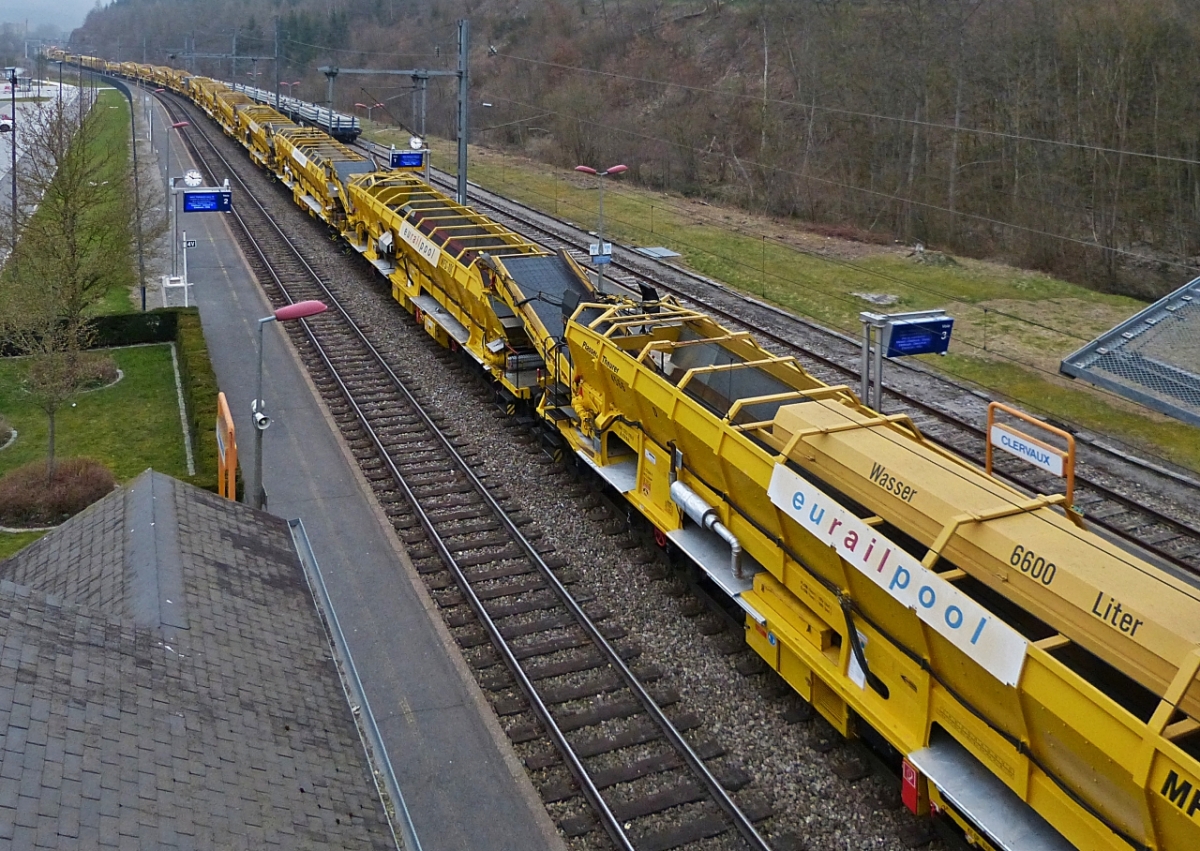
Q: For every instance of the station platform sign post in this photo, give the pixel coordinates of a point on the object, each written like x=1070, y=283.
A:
x=179, y=281
x=184, y=245
x=208, y=200
x=196, y=199
x=414, y=159
x=918, y=332
x=600, y=253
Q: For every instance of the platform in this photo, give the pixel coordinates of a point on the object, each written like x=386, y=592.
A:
x=463, y=785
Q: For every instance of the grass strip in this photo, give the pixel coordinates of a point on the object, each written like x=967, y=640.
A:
x=112, y=112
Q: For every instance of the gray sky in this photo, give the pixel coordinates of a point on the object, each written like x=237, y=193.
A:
x=64, y=14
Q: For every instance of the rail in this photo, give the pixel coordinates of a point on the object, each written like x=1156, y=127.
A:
x=613, y=826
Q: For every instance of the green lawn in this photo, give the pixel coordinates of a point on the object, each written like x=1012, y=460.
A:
x=10, y=542
x=1012, y=327
x=129, y=426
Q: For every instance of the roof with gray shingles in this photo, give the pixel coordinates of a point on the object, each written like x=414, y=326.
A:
x=165, y=682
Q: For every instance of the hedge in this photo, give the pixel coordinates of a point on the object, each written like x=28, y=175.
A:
x=133, y=329
x=199, y=396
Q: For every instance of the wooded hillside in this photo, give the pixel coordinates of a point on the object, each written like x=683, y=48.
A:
x=1056, y=134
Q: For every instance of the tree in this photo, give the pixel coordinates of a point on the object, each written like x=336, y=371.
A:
x=74, y=239
x=72, y=247
x=56, y=372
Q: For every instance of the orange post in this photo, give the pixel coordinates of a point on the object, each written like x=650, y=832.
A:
x=227, y=457
x=1046, y=456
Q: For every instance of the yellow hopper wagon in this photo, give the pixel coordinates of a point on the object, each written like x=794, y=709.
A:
x=257, y=126
x=470, y=281
x=203, y=92
x=226, y=105
x=157, y=75
x=1039, y=679
x=172, y=78
x=316, y=168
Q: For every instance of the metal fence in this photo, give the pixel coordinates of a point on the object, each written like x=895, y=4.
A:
x=1152, y=358
x=384, y=775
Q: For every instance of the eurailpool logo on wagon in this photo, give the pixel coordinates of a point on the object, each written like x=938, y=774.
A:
x=996, y=646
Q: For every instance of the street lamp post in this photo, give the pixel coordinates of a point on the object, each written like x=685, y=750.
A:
x=150, y=116
x=299, y=310
x=601, y=257
x=171, y=212
x=368, y=107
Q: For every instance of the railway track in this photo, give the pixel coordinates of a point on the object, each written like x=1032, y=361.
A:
x=558, y=668
x=1111, y=482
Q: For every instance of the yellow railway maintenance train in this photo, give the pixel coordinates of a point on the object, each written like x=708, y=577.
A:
x=1038, y=679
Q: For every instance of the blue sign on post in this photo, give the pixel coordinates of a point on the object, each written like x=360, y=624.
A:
x=408, y=159
x=918, y=336
x=207, y=201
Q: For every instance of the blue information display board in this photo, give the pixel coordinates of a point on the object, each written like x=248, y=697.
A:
x=207, y=201
x=918, y=337
x=408, y=159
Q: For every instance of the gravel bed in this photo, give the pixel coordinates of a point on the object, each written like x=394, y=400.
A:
x=810, y=801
